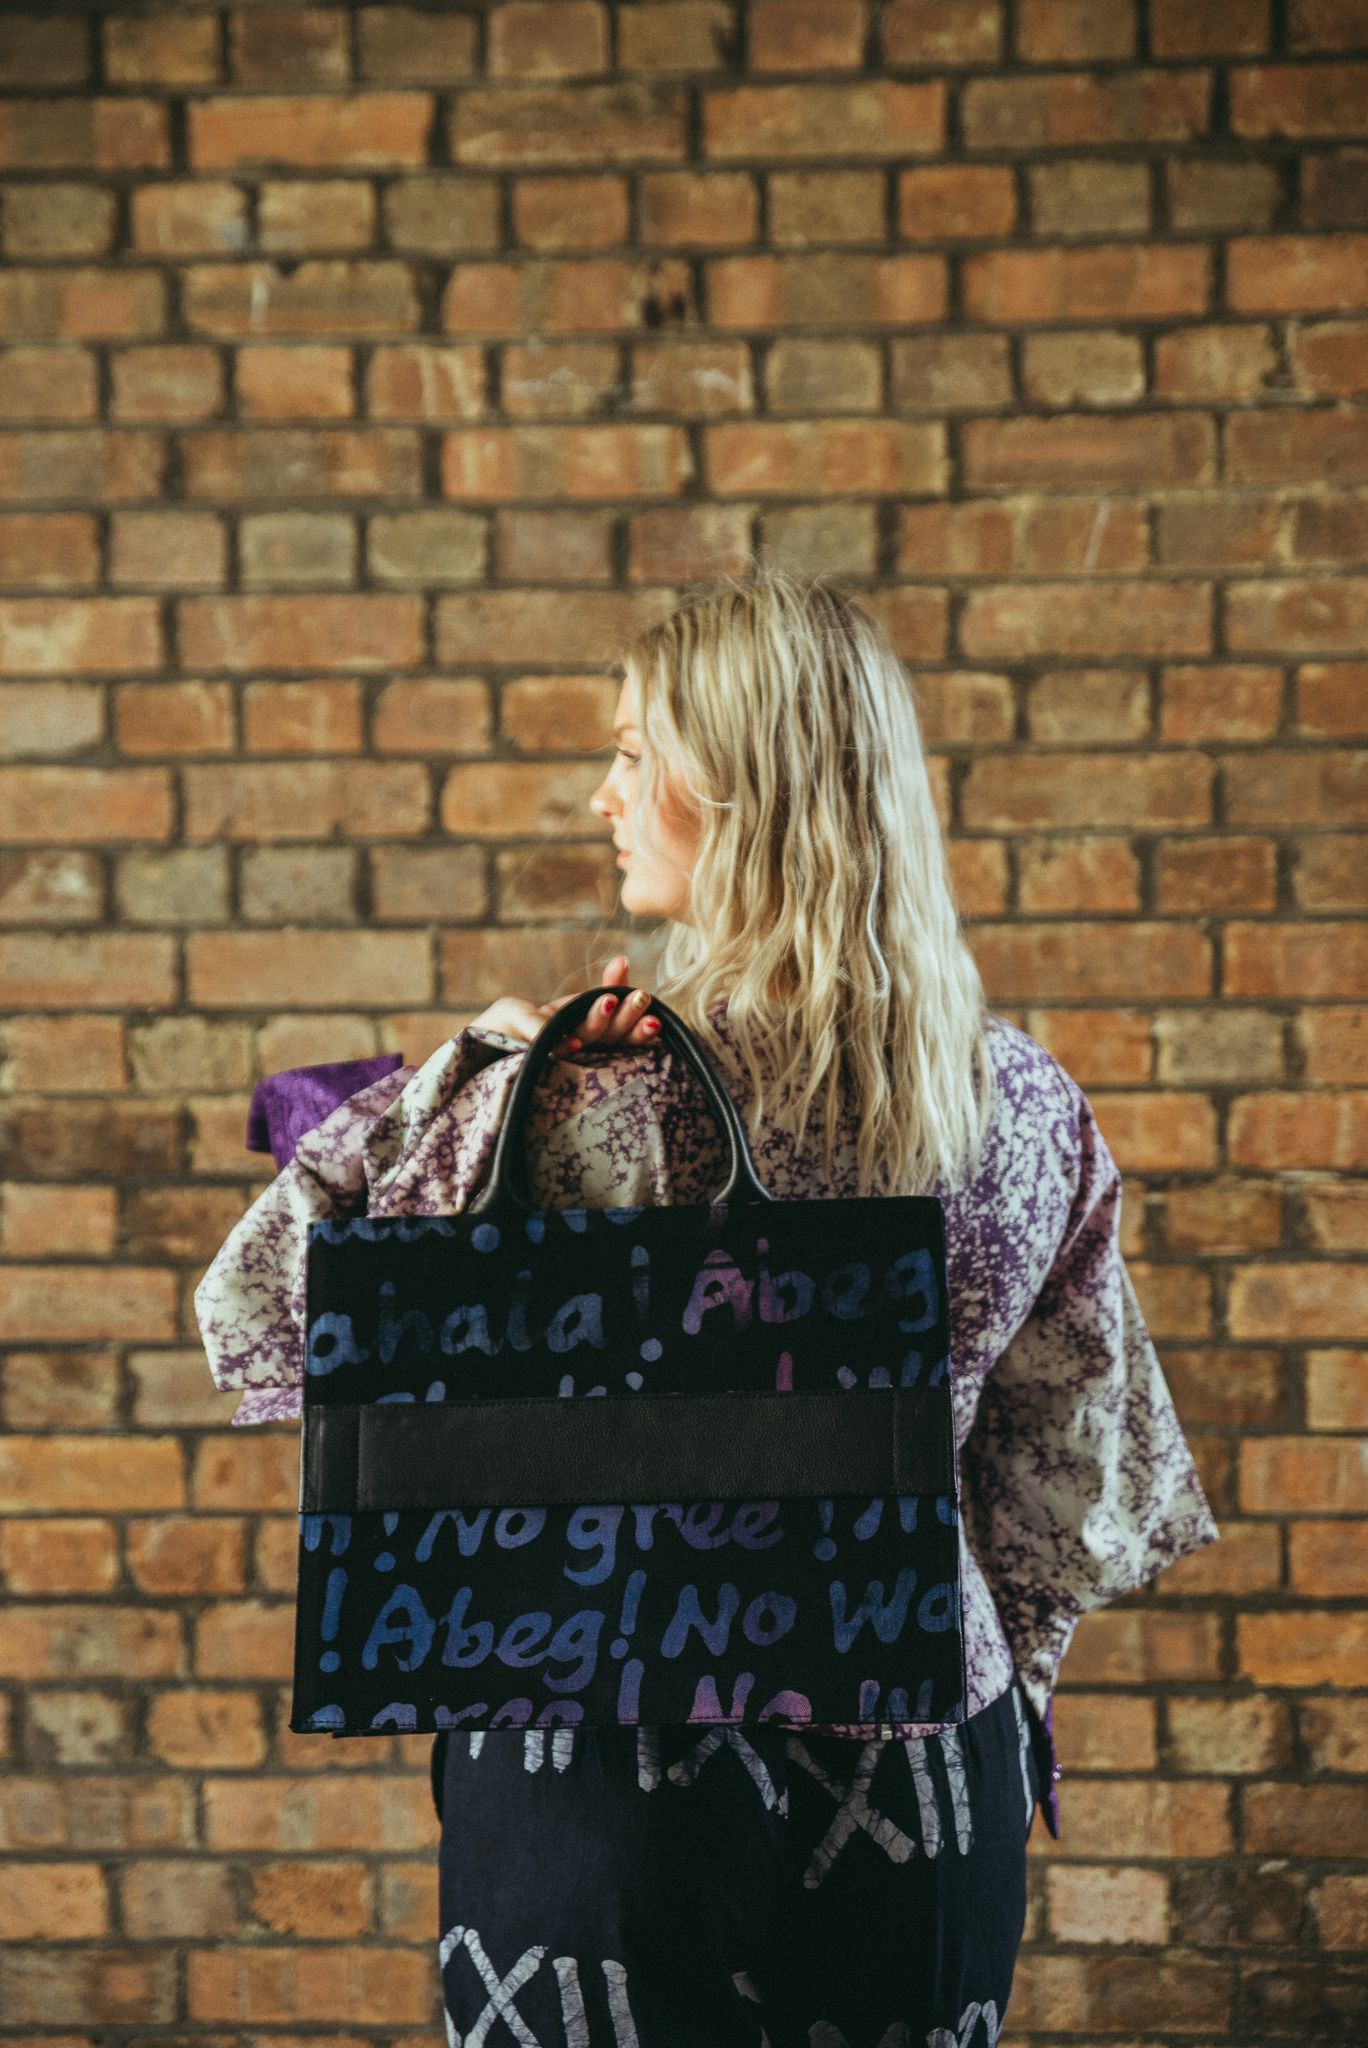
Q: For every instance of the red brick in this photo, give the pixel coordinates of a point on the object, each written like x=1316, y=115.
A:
x=1320, y=1133
x=676, y=35
x=805, y=207
x=299, y=217
x=1321, y=617
x=1080, y=449
x=1297, y=1303
x=199, y=1728
x=951, y=373
x=1326, y=1559
x=1208, y=28
x=1085, y=197
x=1121, y=282
x=84, y=135
x=47, y=384
x=53, y=220
x=1330, y=358
x=371, y=131
x=807, y=377
x=1301, y=447
x=289, y=46
x=1074, y=31
x=320, y=716
x=506, y=127
x=1336, y=1389
x=315, y=1901
x=361, y=1986
x=188, y=1554
x=293, y=800
x=1007, y=793
x=174, y=718
x=75, y=1303
x=952, y=203
x=881, y=118
x=574, y=212
x=1092, y=619
x=1311, y=100
x=1303, y=1649
x=1090, y=962
x=168, y=549
x=1334, y=189
x=207, y=218
x=578, y=462
x=1297, y=786
x=706, y=209
x=1219, y=530
x=962, y=539
x=52, y=1902
x=1062, y=110
x=1325, y=25
x=548, y=39
x=811, y=291
x=301, y=634
x=588, y=297
x=82, y=304
x=941, y=32
x=1064, y=880
x=1213, y=362
x=38, y=1220
x=162, y=49
x=1083, y=368
x=443, y=214
x=807, y=35
x=73, y=1555
x=820, y=456
x=98, y=635
x=80, y=462
x=1210, y=192
x=675, y=542
x=1094, y=1903
x=1194, y=877
x=44, y=49
x=300, y=383
x=173, y=382
x=1298, y=273
x=524, y=626
x=175, y=1898
x=56, y=549
x=426, y=381
x=252, y=300
x=413, y=46
x=237, y=970
x=1331, y=700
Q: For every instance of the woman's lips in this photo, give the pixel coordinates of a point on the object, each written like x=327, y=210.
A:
x=623, y=855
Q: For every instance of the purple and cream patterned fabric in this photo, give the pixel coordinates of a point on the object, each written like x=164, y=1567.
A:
x=1077, y=1484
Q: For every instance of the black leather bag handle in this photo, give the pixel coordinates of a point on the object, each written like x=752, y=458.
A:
x=506, y=1186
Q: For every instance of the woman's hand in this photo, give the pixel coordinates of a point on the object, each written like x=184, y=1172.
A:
x=613, y=1020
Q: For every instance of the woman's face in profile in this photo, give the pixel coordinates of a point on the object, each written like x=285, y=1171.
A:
x=655, y=877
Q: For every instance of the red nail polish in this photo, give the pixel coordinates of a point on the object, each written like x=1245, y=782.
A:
x=610, y=1003
x=653, y=1023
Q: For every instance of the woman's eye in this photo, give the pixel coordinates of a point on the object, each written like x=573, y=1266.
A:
x=634, y=759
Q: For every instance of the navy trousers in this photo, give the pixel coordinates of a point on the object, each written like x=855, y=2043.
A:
x=733, y=1888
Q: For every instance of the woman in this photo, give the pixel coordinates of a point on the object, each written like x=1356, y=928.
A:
x=805, y=1887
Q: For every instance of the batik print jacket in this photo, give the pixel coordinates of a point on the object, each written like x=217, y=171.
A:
x=1077, y=1484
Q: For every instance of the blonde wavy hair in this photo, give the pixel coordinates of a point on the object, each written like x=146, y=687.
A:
x=820, y=906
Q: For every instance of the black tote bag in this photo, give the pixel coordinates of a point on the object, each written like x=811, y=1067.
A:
x=661, y=1464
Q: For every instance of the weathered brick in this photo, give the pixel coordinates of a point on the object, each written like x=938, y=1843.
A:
x=506, y=127
x=1066, y=109
x=1326, y=617
x=48, y=549
x=175, y=1897
x=1093, y=619
x=944, y=202
x=1209, y=28
x=82, y=463
x=44, y=49
x=289, y=46
x=109, y=635
x=806, y=35
x=1209, y=192
x=304, y=800
x=522, y=626
x=1071, y=450
x=84, y=135
x=823, y=377
x=169, y=548
x=301, y=634
x=53, y=1902
x=52, y=220
x=306, y=548
x=1334, y=189
x=161, y=49
x=1083, y=368
x=1291, y=273
x=551, y=545
x=1302, y=100
x=820, y=456
x=320, y=296
x=250, y=970
x=578, y=462
x=880, y=118
x=941, y=32
x=829, y=289
x=704, y=209
x=320, y=716
x=426, y=381
x=1123, y=281
x=298, y=217
x=1085, y=197
x=172, y=382
x=413, y=46
x=369, y=131
x=47, y=384
x=206, y=218
x=548, y=39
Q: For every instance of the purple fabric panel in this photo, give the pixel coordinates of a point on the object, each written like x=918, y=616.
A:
x=287, y=1104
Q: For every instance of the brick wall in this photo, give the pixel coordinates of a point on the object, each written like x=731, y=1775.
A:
x=371, y=372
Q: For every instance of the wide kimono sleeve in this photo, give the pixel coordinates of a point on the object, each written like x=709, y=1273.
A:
x=250, y=1302
x=1083, y=1483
